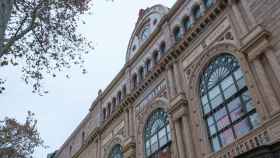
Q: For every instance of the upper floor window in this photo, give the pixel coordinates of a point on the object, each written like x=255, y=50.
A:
x=197, y=13
x=109, y=109
x=114, y=103
x=156, y=57
x=83, y=137
x=208, y=3
x=177, y=33
x=124, y=91
x=141, y=73
x=187, y=23
x=162, y=47
x=134, y=81
x=104, y=114
x=116, y=152
x=157, y=135
x=148, y=65
x=119, y=96
x=227, y=105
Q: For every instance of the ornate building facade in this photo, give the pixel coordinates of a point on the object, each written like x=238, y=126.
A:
x=201, y=80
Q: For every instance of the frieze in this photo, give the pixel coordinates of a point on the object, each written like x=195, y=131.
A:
x=160, y=90
x=217, y=32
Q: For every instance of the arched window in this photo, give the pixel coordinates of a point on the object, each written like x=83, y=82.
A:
x=83, y=137
x=162, y=48
x=148, y=65
x=124, y=91
x=155, y=57
x=197, y=12
x=109, y=109
x=157, y=136
x=119, y=97
x=141, y=73
x=187, y=23
x=114, y=103
x=104, y=114
x=134, y=81
x=116, y=152
x=177, y=33
x=227, y=106
x=208, y=3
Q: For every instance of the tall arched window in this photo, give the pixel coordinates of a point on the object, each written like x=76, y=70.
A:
x=227, y=106
x=134, y=80
x=187, y=23
x=197, y=13
x=162, y=48
x=155, y=57
x=141, y=73
x=208, y=3
x=177, y=33
x=116, y=152
x=157, y=136
x=148, y=65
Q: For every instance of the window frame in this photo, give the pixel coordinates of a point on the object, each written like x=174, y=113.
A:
x=208, y=84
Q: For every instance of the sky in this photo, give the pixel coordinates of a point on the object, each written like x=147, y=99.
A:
x=109, y=27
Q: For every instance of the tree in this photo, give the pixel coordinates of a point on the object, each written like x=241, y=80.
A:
x=19, y=140
x=41, y=36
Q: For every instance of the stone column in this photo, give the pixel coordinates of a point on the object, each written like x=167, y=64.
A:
x=188, y=137
x=177, y=77
x=239, y=18
x=131, y=122
x=171, y=82
x=266, y=87
x=127, y=122
x=179, y=138
x=272, y=59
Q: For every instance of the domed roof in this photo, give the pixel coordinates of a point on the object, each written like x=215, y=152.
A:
x=147, y=21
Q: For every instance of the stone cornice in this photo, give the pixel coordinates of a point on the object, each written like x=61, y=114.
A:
x=255, y=42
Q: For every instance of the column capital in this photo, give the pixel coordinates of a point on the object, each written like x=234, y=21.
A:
x=129, y=148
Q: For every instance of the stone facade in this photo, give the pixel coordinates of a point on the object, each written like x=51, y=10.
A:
x=169, y=52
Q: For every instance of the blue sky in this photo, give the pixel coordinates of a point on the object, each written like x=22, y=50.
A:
x=109, y=26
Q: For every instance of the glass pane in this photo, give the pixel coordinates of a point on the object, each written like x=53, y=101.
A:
x=255, y=120
x=204, y=100
x=214, y=92
x=206, y=108
x=241, y=83
x=162, y=133
x=216, y=101
x=238, y=74
x=219, y=114
x=227, y=82
x=148, y=149
x=162, y=141
x=249, y=106
x=242, y=127
x=236, y=114
x=234, y=104
x=208, y=3
x=210, y=120
x=212, y=130
x=223, y=122
x=154, y=139
x=229, y=91
x=215, y=144
x=246, y=96
x=227, y=137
